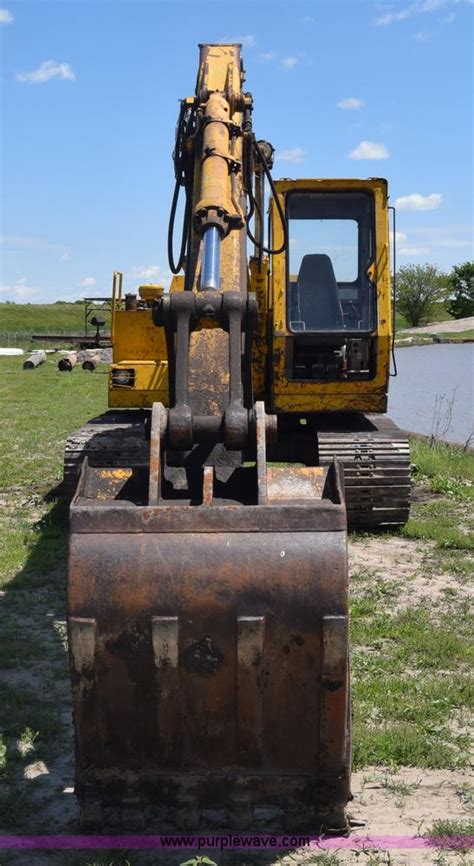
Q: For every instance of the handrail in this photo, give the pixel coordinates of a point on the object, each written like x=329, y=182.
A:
x=116, y=299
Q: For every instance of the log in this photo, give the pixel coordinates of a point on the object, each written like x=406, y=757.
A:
x=67, y=362
x=35, y=359
x=91, y=362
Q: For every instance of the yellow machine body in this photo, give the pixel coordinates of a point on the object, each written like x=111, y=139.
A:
x=140, y=345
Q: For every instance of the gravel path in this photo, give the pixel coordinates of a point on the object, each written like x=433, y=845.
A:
x=454, y=325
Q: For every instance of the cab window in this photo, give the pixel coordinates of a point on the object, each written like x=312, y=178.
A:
x=331, y=246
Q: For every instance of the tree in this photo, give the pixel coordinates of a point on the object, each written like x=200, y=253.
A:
x=461, y=280
x=419, y=289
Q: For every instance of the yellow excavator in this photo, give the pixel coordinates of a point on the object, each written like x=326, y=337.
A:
x=207, y=575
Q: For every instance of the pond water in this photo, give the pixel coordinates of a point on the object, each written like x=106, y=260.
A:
x=434, y=390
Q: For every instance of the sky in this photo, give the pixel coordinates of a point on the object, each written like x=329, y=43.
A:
x=90, y=93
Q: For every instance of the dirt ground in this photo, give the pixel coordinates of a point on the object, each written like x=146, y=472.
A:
x=406, y=802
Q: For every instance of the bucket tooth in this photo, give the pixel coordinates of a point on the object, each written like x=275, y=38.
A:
x=132, y=814
x=334, y=697
x=82, y=640
x=164, y=631
x=250, y=687
x=241, y=812
x=187, y=812
x=91, y=810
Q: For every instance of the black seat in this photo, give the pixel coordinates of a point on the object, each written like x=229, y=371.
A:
x=316, y=300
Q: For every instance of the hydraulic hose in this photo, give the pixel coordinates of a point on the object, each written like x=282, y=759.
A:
x=184, y=174
x=254, y=205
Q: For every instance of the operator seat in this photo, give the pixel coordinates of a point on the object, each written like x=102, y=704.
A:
x=316, y=302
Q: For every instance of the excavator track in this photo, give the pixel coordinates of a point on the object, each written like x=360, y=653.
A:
x=372, y=449
x=375, y=455
x=116, y=438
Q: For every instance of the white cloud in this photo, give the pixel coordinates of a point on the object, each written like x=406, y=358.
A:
x=400, y=237
x=6, y=16
x=369, y=150
x=448, y=19
x=145, y=272
x=18, y=289
x=47, y=70
x=418, y=8
x=289, y=62
x=413, y=251
x=446, y=236
x=390, y=17
x=20, y=243
x=308, y=19
x=293, y=154
x=248, y=41
x=422, y=36
x=351, y=103
x=88, y=282
x=455, y=243
x=267, y=56
x=415, y=201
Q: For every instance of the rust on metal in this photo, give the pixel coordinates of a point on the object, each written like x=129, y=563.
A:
x=208, y=485
x=219, y=681
x=158, y=422
x=250, y=687
x=295, y=482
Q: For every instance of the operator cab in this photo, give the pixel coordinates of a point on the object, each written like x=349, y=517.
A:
x=331, y=294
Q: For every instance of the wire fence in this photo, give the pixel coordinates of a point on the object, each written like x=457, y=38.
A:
x=22, y=339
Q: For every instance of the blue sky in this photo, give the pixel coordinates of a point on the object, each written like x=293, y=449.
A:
x=90, y=96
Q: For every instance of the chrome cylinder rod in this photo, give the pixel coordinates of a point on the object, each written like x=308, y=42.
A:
x=211, y=260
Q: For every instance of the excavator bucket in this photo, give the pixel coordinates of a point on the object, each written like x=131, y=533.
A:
x=209, y=647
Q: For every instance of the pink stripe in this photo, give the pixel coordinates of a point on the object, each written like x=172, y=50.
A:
x=234, y=841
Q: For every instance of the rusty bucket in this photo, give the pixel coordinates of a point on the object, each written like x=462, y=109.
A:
x=209, y=649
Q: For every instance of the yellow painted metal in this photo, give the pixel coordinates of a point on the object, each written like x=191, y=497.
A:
x=216, y=197
x=151, y=385
x=177, y=283
x=116, y=299
x=136, y=337
x=141, y=345
x=363, y=396
x=219, y=84
x=220, y=69
x=150, y=292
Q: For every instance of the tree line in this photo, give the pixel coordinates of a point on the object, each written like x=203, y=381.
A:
x=422, y=289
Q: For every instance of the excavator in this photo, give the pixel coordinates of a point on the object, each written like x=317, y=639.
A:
x=207, y=568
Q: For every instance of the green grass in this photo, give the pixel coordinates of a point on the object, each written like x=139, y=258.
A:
x=41, y=318
x=458, y=336
x=447, y=519
x=402, y=708
x=450, y=834
x=452, y=828
x=39, y=409
x=445, y=469
x=438, y=313
x=405, y=711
